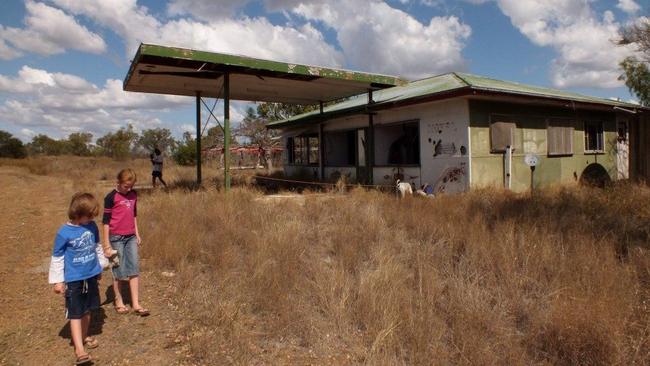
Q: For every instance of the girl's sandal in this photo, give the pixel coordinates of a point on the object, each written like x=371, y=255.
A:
x=83, y=360
x=121, y=309
x=141, y=312
x=91, y=342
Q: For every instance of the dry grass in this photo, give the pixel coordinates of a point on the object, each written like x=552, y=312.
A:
x=488, y=277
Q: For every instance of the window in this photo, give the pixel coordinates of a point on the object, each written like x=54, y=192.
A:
x=302, y=150
x=312, y=143
x=340, y=148
x=559, y=136
x=502, y=134
x=594, y=137
x=397, y=144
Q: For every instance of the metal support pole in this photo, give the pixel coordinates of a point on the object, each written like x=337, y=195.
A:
x=226, y=134
x=321, y=147
x=371, y=141
x=198, y=138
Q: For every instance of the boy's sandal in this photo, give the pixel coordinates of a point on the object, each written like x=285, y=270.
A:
x=121, y=309
x=141, y=312
x=83, y=360
x=91, y=342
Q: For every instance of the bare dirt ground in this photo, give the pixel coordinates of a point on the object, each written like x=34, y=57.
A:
x=33, y=328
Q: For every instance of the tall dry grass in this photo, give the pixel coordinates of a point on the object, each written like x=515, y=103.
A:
x=487, y=277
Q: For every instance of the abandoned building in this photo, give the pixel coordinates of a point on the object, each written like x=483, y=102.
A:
x=459, y=131
x=454, y=131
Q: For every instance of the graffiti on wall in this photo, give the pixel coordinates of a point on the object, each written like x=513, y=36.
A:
x=441, y=137
x=451, y=179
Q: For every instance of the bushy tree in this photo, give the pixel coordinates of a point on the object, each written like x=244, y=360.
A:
x=160, y=138
x=78, y=143
x=637, y=68
x=119, y=144
x=11, y=147
x=45, y=145
x=185, y=152
x=279, y=111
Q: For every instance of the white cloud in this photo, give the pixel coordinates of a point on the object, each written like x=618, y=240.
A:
x=379, y=38
x=26, y=132
x=249, y=36
x=63, y=103
x=48, y=31
x=7, y=52
x=628, y=6
x=587, y=55
x=30, y=80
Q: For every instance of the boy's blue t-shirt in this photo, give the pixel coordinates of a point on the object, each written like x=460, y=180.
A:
x=76, y=244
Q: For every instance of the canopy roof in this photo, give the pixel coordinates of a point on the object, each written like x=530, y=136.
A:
x=180, y=71
x=450, y=85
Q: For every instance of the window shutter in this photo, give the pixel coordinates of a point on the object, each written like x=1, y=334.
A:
x=559, y=135
x=501, y=136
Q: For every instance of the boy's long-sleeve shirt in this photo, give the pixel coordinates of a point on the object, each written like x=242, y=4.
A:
x=75, y=255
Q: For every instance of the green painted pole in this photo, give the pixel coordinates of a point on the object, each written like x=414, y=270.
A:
x=198, y=138
x=226, y=132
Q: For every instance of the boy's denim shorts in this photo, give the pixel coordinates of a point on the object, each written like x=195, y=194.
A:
x=81, y=297
x=127, y=249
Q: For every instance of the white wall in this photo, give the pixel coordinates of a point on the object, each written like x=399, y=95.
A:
x=444, y=128
x=444, y=145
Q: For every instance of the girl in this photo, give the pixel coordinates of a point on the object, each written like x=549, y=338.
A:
x=121, y=230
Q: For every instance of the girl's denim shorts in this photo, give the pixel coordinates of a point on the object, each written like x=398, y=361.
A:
x=127, y=250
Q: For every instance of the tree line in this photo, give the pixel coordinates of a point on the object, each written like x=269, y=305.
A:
x=126, y=142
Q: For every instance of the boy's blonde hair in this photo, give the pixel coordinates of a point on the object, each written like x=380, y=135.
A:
x=83, y=205
x=126, y=175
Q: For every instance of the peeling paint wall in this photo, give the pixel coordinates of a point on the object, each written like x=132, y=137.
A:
x=444, y=150
x=531, y=137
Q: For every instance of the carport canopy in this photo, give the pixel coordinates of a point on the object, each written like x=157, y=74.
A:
x=179, y=71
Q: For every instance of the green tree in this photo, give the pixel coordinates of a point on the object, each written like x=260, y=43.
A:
x=185, y=152
x=253, y=127
x=636, y=68
x=11, y=147
x=278, y=111
x=78, y=143
x=160, y=138
x=118, y=144
x=45, y=145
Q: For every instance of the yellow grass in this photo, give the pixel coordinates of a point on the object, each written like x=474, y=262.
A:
x=482, y=278
x=488, y=277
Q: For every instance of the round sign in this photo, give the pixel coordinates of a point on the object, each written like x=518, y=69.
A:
x=531, y=159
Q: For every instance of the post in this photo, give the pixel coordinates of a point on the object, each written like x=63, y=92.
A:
x=370, y=158
x=198, y=138
x=321, y=146
x=226, y=132
x=532, y=179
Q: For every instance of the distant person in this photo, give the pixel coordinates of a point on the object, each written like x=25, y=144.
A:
x=121, y=231
x=75, y=270
x=157, y=167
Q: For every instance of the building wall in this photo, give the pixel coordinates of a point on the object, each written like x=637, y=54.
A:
x=487, y=169
x=444, y=145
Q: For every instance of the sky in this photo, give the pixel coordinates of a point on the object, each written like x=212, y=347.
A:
x=62, y=62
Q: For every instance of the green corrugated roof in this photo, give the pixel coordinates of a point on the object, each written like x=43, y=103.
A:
x=440, y=85
x=182, y=71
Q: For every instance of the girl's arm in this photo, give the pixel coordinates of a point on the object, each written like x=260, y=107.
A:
x=137, y=233
x=106, y=243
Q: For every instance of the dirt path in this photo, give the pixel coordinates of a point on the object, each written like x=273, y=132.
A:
x=33, y=329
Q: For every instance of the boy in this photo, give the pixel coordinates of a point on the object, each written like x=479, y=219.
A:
x=157, y=163
x=75, y=270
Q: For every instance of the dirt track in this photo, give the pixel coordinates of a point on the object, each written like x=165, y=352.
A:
x=33, y=329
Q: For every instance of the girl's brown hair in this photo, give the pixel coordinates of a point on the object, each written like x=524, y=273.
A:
x=126, y=175
x=83, y=205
